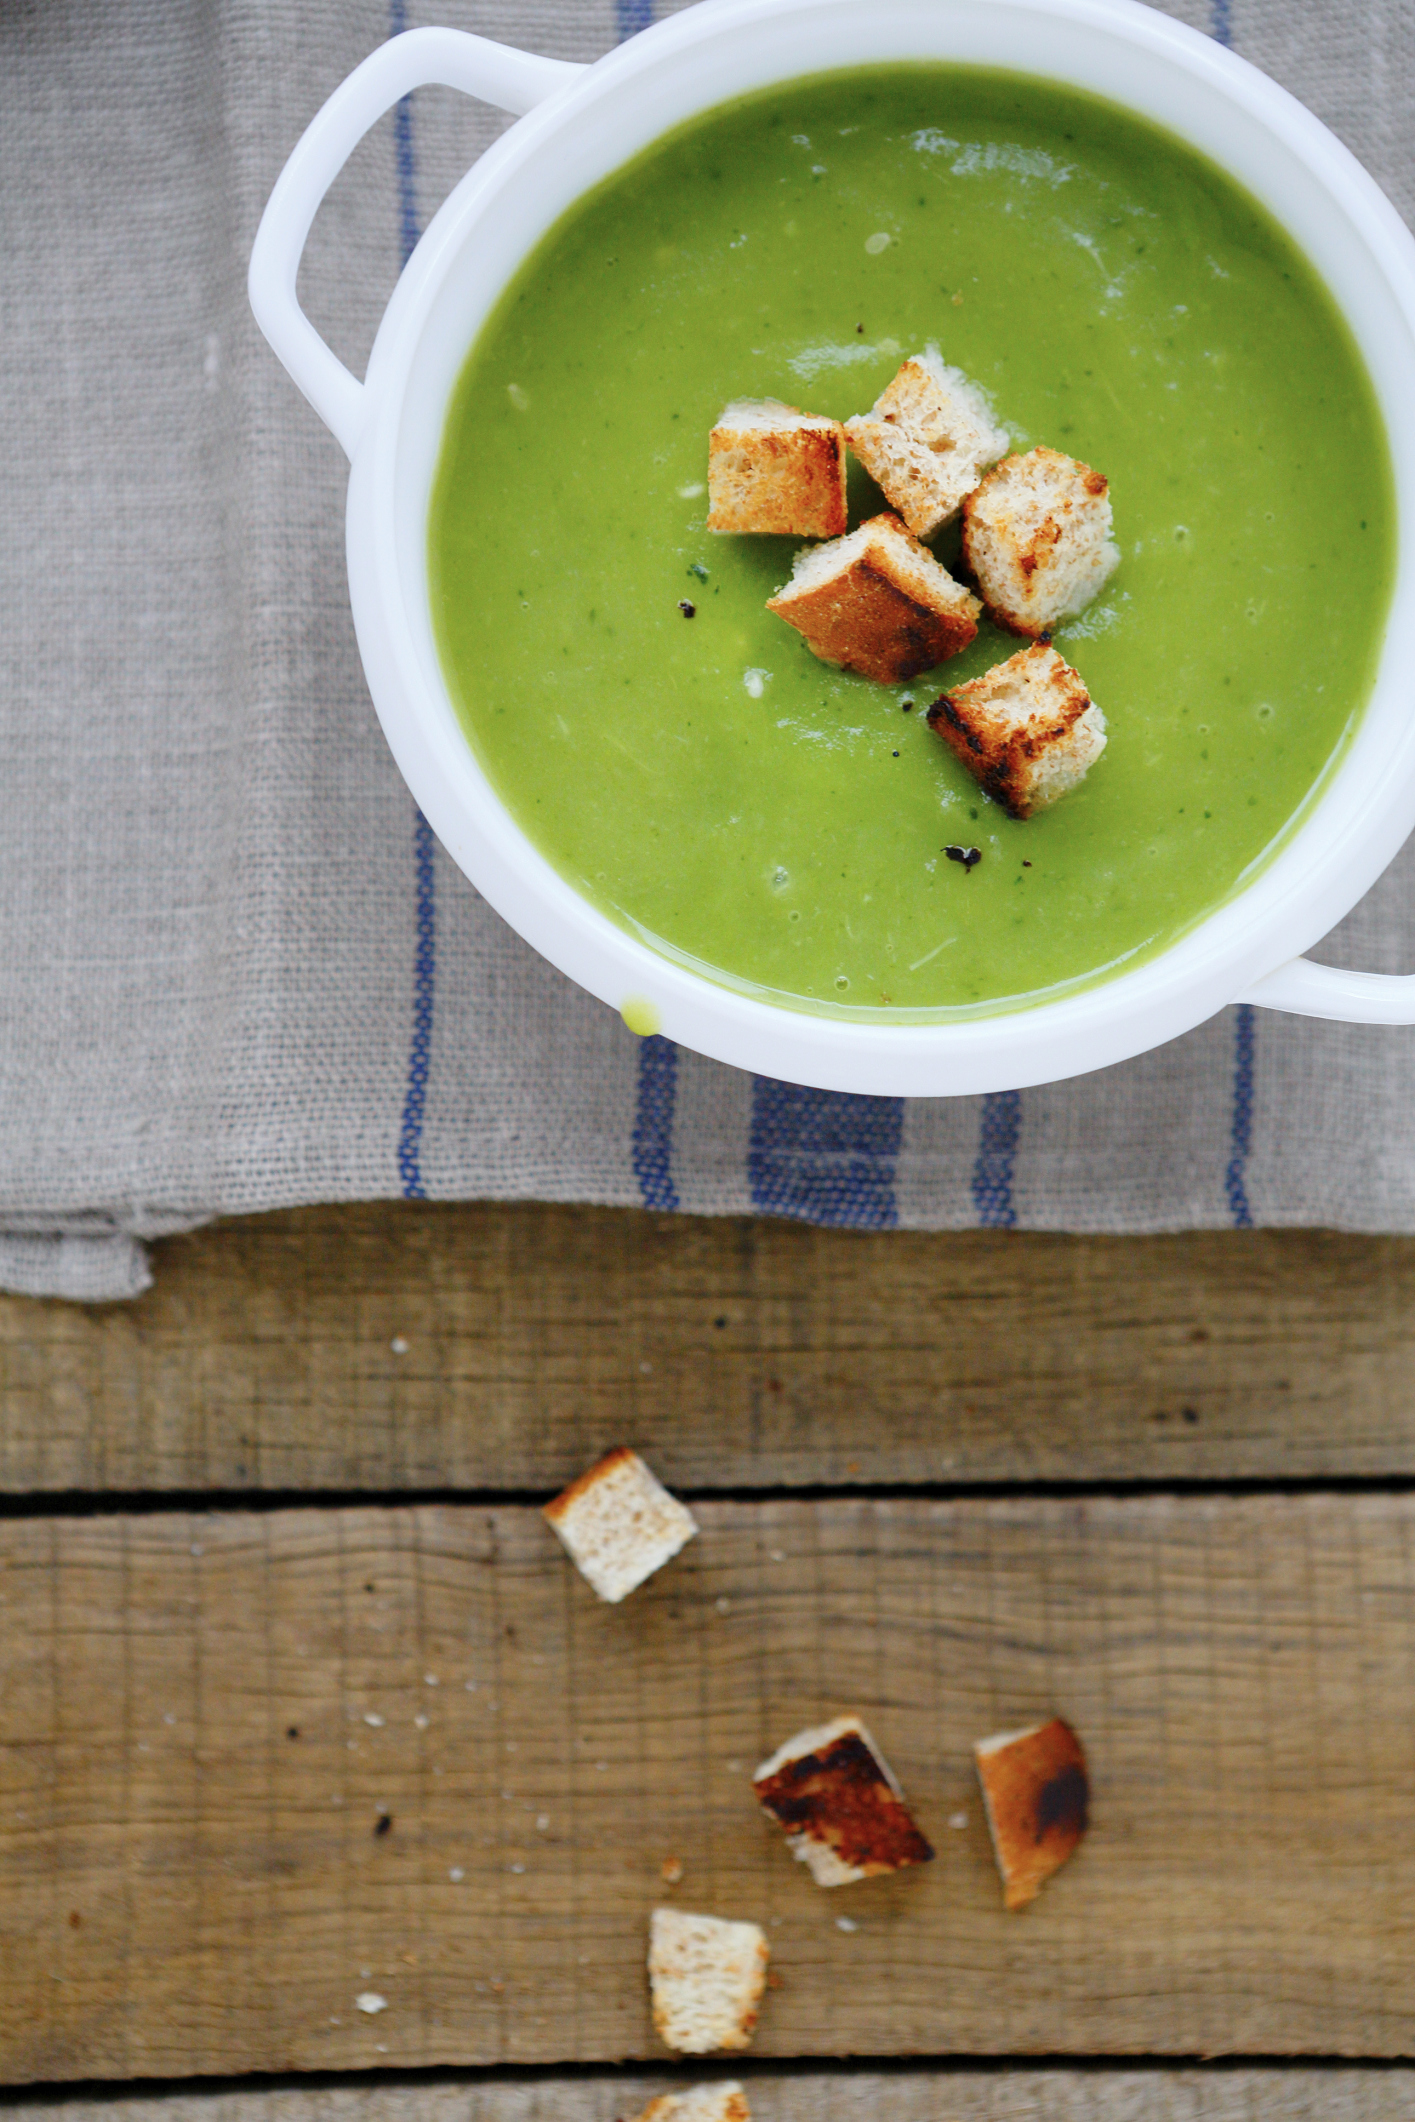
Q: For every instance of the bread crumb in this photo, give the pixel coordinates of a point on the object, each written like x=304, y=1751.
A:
x=1036, y=1792
x=774, y=469
x=368, y=2000
x=1037, y=535
x=877, y=602
x=619, y=1524
x=671, y=1870
x=1027, y=730
x=706, y=1976
x=927, y=440
x=840, y=1804
x=703, y=2103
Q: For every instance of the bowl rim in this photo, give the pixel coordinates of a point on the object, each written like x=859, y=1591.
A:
x=1353, y=825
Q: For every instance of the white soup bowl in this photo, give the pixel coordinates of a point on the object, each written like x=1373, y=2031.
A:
x=580, y=123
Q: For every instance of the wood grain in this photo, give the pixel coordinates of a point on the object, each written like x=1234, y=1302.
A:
x=204, y=1721
x=1159, y=2095
x=735, y=1353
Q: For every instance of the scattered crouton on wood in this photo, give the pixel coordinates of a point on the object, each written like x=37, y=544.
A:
x=772, y=468
x=877, y=602
x=837, y=1798
x=1037, y=536
x=619, y=1523
x=1027, y=729
x=927, y=440
x=706, y=1976
x=725, y=2102
x=1037, y=1795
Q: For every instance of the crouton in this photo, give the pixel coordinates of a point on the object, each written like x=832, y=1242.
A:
x=619, y=1523
x=1027, y=729
x=1037, y=1794
x=701, y=2103
x=1036, y=534
x=842, y=1809
x=706, y=1977
x=772, y=468
x=877, y=602
x=927, y=441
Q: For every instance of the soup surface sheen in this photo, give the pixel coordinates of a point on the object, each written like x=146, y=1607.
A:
x=704, y=779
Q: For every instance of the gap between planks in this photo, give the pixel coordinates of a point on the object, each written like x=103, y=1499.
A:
x=204, y=1720
x=736, y=1354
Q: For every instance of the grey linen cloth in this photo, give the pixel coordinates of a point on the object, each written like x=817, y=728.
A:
x=236, y=974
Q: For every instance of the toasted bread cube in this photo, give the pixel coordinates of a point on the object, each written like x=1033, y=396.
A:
x=1027, y=729
x=877, y=602
x=706, y=1976
x=1037, y=1795
x=1037, y=535
x=726, y=2102
x=843, y=1811
x=619, y=1523
x=927, y=440
x=772, y=468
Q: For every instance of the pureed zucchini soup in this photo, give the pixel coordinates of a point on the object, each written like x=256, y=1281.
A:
x=777, y=822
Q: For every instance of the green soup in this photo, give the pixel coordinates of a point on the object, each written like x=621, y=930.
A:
x=780, y=823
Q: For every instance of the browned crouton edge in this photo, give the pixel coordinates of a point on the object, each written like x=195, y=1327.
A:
x=558, y=1505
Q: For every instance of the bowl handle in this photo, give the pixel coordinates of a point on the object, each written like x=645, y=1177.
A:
x=512, y=80
x=1307, y=990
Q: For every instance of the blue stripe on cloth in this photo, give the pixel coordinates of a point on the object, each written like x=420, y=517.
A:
x=998, y=1137
x=1235, y=1178
x=408, y=230
x=824, y=1156
x=632, y=16
x=1221, y=21
x=410, y=1134
x=653, y=1122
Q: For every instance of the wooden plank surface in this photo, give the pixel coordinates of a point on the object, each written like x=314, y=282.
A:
x=206, y=1719
x=397, y=1346
x=1227, y=2095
